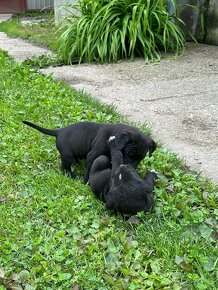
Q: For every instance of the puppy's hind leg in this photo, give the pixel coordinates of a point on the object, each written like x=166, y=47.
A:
x=99, y=177
x=92, y=155
x=66, y=162
x=101, y=163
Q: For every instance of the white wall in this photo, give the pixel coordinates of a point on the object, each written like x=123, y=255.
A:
x=61, y=13
x=212, y=23
x=39, y=4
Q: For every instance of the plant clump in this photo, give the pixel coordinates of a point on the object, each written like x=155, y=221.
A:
x=110, y=30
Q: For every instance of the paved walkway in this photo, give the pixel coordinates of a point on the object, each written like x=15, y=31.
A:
x=177, y=98
x=5, y=17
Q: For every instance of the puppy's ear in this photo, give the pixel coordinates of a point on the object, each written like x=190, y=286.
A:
x=121, y=139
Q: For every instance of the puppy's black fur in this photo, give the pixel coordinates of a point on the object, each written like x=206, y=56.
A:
x=88, y=140
x=120, y=187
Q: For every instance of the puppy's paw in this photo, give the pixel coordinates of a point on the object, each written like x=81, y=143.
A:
x=111, y=138
x=111, y=141
x=153, y=173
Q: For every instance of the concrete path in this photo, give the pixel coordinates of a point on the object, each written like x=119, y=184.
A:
x=20, y=49
x=177, y=98
x=5, y=17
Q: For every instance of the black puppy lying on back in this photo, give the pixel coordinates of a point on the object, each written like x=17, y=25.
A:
x=88, y=140
x=121, y=188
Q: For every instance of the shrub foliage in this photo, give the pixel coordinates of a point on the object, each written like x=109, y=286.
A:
x=110, y=30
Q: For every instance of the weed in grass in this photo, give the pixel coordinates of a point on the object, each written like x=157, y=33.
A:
x=43, y=61
x=54, y=234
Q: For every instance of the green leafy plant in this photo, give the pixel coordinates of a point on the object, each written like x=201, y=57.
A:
x=106, y=31
x=43, y=61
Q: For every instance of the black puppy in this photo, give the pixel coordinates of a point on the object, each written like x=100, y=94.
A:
x=89, y=140
x=120, y=187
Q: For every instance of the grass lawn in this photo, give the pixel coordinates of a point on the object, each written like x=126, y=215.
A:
x=54, y=234
x=42, y=33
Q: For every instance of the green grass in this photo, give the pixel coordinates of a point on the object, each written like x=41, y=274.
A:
x=41, y=33
x=54, y=234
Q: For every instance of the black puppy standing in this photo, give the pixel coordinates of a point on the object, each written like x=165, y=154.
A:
x=88, y=140
x=120, y=187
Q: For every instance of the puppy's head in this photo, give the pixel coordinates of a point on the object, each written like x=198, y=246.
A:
x=126, y=181
x=134, y=145
x=128, y=192
x=123, y=174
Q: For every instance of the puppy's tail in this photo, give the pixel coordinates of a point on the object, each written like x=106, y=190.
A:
x=43, y=130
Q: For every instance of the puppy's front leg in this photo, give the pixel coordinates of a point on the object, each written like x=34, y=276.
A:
x=116, y=155
x=149, y=180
